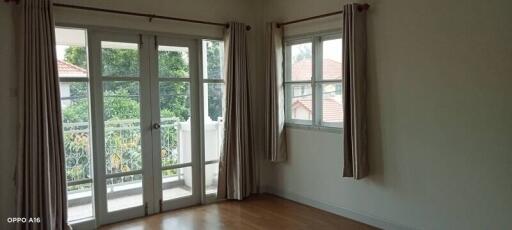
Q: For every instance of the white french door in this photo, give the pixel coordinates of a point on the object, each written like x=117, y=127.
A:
x=146, y=124
x=175, y=128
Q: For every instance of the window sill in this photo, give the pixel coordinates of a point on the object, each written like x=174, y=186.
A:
x=315, y=128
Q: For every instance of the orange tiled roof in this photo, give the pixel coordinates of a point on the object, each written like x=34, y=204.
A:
x=332, y=109
x=301, y=70
x=69, y=70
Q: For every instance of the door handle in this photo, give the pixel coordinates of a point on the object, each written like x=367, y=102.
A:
x=156, y=126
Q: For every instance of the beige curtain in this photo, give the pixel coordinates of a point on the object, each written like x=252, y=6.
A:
x=40, y=169
x=237, y=177
x=354, y=92
x=275, y=136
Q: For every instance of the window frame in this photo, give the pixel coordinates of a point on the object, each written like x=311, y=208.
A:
x=87, y=221
x=316, y=81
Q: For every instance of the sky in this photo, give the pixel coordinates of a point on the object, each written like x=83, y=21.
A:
x=332, y=49
x=61, y=49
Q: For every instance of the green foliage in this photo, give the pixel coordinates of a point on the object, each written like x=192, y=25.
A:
x=174, y=100
x=213, y=51
x=121, y=100
x=77, y=155
x=76, y=56
x=172, y=64
x=215, y=98
x=78, y=110
x=119, y=62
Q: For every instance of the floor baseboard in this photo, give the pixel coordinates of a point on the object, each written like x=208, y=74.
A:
x=373, y=221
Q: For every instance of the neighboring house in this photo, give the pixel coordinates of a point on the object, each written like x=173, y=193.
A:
x=301, y=70
x=302, y=109
x=68, y=70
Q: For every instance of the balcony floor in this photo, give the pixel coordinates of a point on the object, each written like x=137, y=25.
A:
x=85, y=210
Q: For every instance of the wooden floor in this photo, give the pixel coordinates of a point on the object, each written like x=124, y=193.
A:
x=258, y=212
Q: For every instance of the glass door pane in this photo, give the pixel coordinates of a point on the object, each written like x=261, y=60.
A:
x=73, y=71
x=147, y=128
x=175, y=130
x=176, y=183
x=175, y=123
x=175, y=139
x=213, y=112
x=122, y=124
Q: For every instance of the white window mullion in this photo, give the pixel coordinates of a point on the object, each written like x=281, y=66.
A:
x=96, y=94
x=287, y=72
x=317, y=75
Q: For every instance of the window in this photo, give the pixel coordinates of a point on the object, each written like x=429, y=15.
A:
x=120, y=74
x=313, y=81
x=72, y=65
x=213, y=110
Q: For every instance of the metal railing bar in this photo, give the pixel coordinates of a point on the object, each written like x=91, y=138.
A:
x=121, y=174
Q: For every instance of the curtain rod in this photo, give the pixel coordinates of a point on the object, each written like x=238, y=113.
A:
x=360, y=8
x=150, y=16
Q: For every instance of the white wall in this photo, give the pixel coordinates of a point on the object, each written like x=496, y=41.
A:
x=440, y=125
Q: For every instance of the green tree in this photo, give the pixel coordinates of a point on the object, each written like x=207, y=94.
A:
x=119, y=62
x=214, y=68
x=213, y=50
x=76, y=55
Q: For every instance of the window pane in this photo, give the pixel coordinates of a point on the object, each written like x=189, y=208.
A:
x=77, y=148
x=71, y=52
x=173, y=62
x=302, y=68
x=300, y=105
x=213, y=120
x=79, y=201
x=121, y=113
x=176, y=183
x=175, y=131
x=332, y=104
x=331, y=66
x=75, y=118
x=119, y=59
x=124, y=192
x=213, y=56
x=211, y=178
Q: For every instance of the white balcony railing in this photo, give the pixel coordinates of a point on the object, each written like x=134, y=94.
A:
x=123, y=154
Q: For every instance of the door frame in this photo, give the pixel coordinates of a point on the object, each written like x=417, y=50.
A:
x=96, y=113
x=100, y=177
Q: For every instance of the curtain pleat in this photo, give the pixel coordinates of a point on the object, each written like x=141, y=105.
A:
x=354, y=92
x=237, y=177
x=40, y=168
x=275, y=132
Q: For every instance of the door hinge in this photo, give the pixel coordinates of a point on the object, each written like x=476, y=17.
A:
x=145, y=208
x=156, y=42
x=161, y=205
x=141, y=43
